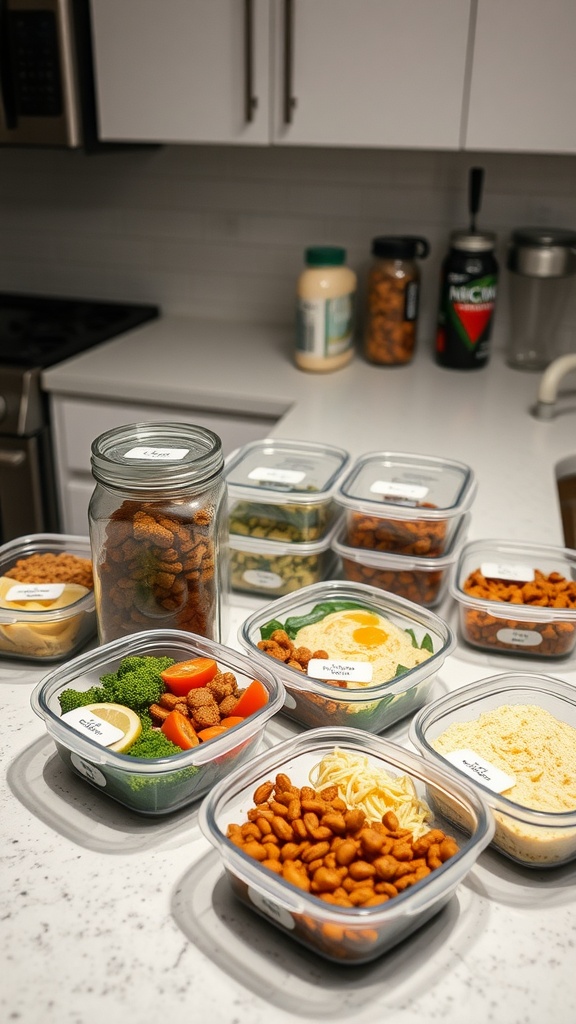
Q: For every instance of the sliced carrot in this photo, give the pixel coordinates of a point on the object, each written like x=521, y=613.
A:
x=180, y=730
x=254, y=697
x=211, y=732
x=187, y=675
x=231, y=721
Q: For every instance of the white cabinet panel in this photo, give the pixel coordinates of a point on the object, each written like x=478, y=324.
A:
x=178, y=70
x=523, y=85
x=361, y=72
x=76, y=422
x=373, y=73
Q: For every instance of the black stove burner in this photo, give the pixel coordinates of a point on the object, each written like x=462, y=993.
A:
x=38, y=331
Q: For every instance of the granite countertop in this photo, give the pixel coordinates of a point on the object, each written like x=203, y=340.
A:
x=108, y=916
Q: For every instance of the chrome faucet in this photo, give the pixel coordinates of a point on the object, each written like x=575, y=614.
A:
x=548, y=390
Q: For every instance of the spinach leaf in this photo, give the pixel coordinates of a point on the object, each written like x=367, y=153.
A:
x=268, y=628
x=427, y=644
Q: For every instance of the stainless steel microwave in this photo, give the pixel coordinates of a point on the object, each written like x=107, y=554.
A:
x=46, y=74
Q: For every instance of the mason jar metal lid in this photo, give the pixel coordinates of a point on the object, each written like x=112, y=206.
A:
x=542, y=252
x=407, y=247
x=162, y=457
x=473, y=241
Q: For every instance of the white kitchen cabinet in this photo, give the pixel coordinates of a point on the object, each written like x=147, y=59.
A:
x=523, y=84
x=182, y=70
x=321, y=72
x=77, y=421
x=371, y=73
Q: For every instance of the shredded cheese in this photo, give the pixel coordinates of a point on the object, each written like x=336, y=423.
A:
x=372, y=789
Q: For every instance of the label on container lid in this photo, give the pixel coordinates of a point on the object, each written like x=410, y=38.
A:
x=153, y=454
x=35, y=592
x=261, y=578
x=479, y=769
x=402, y=491
x=327, y=668
x=269, y=475
x=507, y=571
x=89, y=724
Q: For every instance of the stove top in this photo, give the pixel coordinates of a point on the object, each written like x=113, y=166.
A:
x=38, y=331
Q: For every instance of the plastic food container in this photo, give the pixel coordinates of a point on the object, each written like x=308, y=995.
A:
x=346, y=935
x=405, y=504
x=422, y=580
x=283, y=490
x=313, y=701
x=51, y=619
x=498, y=625
x=272, y=568
x=533, y=838
x=155, y=786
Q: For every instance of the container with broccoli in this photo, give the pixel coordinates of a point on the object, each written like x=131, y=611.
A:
x=156, y=718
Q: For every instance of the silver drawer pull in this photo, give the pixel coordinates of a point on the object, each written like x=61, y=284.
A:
x=12, y=458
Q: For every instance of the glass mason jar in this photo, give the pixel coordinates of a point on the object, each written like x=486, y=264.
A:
x=158, y=530
x=392, y=299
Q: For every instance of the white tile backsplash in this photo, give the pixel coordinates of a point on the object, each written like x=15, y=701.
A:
x=219, y=231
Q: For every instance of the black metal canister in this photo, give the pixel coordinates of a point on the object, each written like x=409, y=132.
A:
x=467, y=298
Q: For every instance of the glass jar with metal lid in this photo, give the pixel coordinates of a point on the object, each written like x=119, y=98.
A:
x=467, y=299
x=158, y=529
x=392, y=299
x=542, y=265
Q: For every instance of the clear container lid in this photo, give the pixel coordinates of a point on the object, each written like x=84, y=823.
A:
x=285, y=472
x=159, y=456
x=407, y=486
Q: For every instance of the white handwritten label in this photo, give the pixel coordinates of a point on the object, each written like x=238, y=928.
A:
x=35, y=592
x=391, y=489
x=520, y=637
x=267, y=906
x=270, y=475
x=507, y=571
x=260, y=578
x=93, y=726
x=89, y=771
x=324, y=668
x=152, y=454
x=479, y=769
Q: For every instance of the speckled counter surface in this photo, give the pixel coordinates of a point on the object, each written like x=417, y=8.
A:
x=107, y=916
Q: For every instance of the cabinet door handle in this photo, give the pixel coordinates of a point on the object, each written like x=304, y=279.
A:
x=250, y=100
x=289, y=98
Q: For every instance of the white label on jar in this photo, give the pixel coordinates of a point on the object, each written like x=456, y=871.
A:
x=271, y=909
x=276, y=476
x=92, y=725
x=35, y=592
x=89, y=771
x=325, y=326
x=519, y=637
x=153, y=454
x=479, y=769
x=323, y=668
x=259, y=578
x=412, y=492
x=507, y=571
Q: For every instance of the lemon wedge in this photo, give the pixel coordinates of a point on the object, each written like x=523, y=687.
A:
x=123, y=718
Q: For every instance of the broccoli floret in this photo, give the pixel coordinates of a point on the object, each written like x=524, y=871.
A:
x=152, y=742
x=70, y=699
x=137, y=683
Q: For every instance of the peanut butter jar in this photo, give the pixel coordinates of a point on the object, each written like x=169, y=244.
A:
x=158, y=528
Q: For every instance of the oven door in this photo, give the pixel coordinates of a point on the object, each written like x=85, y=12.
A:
x=27, y=493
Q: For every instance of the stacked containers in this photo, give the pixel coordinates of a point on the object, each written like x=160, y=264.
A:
x=405, y=517
x=283, y=516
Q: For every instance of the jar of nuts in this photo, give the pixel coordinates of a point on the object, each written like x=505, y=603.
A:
x=158, y=530
x=392, y=300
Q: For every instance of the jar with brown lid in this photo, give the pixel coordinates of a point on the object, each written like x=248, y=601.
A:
x=158, y=530
x=392, y=299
